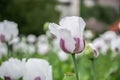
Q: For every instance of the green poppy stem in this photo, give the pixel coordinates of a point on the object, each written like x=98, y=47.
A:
x=75, y=66
x=8, y=50
x=93, y=68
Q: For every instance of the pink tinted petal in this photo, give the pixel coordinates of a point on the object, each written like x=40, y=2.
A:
x=62, y=46
x=80, y=45
x=67, y=41
x=2, y=38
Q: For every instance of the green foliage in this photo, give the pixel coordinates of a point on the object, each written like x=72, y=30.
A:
x=29, y=14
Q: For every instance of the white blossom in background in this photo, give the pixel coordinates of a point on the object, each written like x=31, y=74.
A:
x=115, y=44
x=3, y=49
x=88, y=34
x=31, y=49
x=8, y=30
x=20, y=47
x=37, y=69
x=42, y=48
x=62, y=55
x=89, y=3
x=31, y=38
x=15, y=41
x=100, y=45
x=69, y=32
x=108, y=36
x=12, y=69
x=43, y=38
x=43, y=44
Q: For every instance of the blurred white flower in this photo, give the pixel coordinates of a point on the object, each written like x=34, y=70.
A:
x=8, y=30
x=88, y=34
x=31, y=38
x=115, y=44
x=108, y=36
x=43, y=44
x=43, y=39
x=12, y=69
x=89, y=3
x=15, y=41
x=94, y=50
x=3, y=49
x=62, y=55
x=20, y=47
x=100, y=45
x=70, y=34
x=42, y=48
x=37, y=69
x=64, y=1
x=31, y=49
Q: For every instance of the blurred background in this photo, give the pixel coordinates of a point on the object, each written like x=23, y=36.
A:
x=31, y=15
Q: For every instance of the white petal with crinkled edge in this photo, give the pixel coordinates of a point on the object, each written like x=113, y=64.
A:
x=54, y=29
x=69, y=41
x=75, y=24
x=37, y=68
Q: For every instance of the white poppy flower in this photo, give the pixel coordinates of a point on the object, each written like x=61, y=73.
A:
x=31, y=49
x=115, y=44
x=100, y=45
x=62, y=55
x=12, y=69
x=43, y=39
x=37, y=69
x=94, y=50
x=31, y=38
x=3, y=49
x=88, y=34
x=8, y=30
x=20, y=47
x=108, y=36
x=42, y=48
x=70, y=34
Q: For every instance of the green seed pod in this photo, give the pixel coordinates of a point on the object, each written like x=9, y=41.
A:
x=69, y=76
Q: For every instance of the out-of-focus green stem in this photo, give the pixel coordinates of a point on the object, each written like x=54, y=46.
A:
x=93, y=68
x=8, y=50
x=75, y=66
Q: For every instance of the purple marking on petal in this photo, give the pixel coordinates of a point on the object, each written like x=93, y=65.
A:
x=117, y=49
x=2, y=38
x=79, y=46
x=37, y=78
x=95, y=53
x=62, y=45
x=7, y=78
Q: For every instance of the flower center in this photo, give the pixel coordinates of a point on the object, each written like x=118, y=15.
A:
x=7, y=78
x=37, y=78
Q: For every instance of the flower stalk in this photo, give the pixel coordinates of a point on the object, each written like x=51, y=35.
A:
x=75, y=66
x=93, y=68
